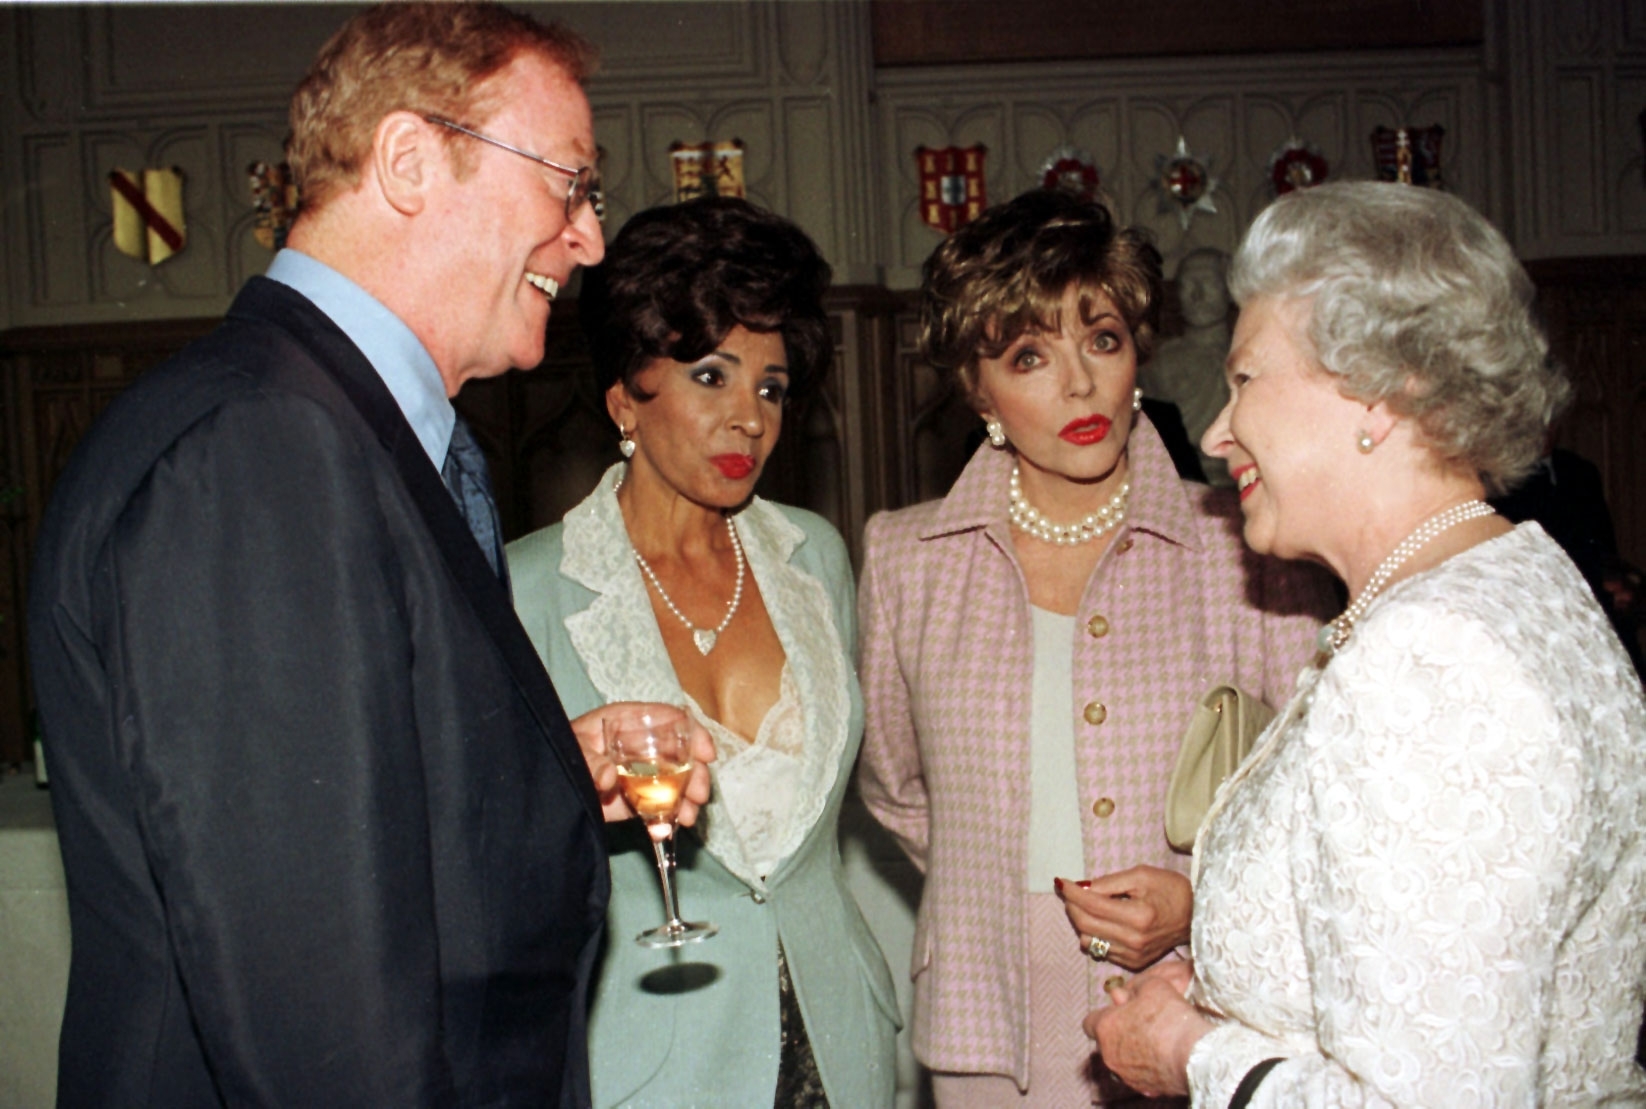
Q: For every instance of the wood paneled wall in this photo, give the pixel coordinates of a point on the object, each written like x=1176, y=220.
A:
x=882, y=432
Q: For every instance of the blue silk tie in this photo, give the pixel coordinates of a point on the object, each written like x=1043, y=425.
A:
x=465, y=475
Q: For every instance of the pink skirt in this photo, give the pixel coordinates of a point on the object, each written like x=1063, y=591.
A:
x=1064, y=1070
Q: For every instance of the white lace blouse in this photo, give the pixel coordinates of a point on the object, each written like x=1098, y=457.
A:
x=619, y=646
x=757, y=780
x=1426, y=887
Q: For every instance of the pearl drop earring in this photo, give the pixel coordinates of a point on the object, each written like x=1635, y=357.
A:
x=997, y=434
x=1137, y=400
x=625, y=446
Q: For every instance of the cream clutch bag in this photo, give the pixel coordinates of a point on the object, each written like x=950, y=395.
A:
x=1221, y=734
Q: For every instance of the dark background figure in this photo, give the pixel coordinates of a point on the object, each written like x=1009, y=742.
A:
x=1566, y=496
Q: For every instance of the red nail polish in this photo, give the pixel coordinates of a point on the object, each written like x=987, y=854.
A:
x=1084, y=884
x=1057, y=883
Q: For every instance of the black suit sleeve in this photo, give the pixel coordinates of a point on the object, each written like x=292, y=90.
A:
x=269, y=734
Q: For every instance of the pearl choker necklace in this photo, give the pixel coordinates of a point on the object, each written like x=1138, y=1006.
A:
x=1027, y=519
x=1334, y=634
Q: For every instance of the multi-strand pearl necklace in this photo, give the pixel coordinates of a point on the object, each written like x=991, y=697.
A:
x=703, y=637
x=1334, y=634
x=1026, y=518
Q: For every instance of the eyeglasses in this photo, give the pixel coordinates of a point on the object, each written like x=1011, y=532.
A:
x=585, y=183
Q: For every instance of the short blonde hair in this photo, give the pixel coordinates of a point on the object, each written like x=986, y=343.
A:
x=1418, y=302
x=1006, y=273
x=431, y=58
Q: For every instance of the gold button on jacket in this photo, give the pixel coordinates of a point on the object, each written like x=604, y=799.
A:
x=1098, y=626
x=1103, y=808
x=1095, y=713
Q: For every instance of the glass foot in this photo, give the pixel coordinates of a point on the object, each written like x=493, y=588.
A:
x=677, y=934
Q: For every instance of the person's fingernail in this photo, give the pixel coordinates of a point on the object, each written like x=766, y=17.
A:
x=1057, y=884
x=1084, y=883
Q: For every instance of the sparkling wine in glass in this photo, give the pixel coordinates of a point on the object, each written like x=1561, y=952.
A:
x=653, y=766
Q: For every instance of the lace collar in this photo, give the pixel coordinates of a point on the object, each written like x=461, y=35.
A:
x=622, y=650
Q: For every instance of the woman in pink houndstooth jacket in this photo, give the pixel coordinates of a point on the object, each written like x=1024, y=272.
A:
x=1033, y=645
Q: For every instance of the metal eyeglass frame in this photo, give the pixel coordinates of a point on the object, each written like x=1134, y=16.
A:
x=585, y=183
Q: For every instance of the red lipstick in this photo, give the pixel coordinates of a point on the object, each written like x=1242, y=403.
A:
x=1086, y=430
x=1239, y=473
x=734, y=466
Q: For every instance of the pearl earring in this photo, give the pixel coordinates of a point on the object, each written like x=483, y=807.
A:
x=625, y=446
x=1137, y=400
x=1365, y=442
x=997, y=434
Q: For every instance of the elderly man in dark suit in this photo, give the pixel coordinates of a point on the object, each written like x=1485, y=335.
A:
x=329, y=837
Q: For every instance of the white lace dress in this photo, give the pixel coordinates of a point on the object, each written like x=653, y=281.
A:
x=1426, y=887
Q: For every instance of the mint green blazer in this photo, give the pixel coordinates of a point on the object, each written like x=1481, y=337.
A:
x=698, y=1026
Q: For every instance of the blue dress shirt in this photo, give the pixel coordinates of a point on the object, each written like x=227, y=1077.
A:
x=397, y=355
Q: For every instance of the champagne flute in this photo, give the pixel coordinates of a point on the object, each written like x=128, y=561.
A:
x=653, y=765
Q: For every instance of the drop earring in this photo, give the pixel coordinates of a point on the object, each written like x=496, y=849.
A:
x=997, y=433
x=1365, y=443
x=1137, y=400
x=625, y=445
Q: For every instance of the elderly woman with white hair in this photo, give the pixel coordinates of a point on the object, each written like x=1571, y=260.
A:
x=1424, y=887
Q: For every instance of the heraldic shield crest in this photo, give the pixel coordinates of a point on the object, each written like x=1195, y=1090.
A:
x=951, y=185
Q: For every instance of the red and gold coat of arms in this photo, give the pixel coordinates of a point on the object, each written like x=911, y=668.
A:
x=951, y=185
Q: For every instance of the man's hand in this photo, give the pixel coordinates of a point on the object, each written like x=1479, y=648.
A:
x=1142, y=913
x=591, y=736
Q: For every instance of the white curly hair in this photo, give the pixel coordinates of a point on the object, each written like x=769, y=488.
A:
x=1415, y=300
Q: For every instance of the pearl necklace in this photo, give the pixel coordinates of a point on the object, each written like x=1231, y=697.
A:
x=703, y=637
x=1335, y=633
x=1027, y=519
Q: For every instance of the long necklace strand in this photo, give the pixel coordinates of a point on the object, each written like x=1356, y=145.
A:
x=1026, y=518
x=703, y=637
x=1335, y=633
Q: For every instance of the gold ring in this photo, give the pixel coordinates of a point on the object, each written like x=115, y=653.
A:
x=1097, y=949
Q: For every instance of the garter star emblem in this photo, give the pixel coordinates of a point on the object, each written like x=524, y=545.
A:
x=1072, y=170
x=1295, y=165
x=1185, y=182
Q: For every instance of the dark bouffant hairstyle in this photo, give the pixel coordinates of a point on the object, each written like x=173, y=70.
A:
x=1006, y=273
x=678, y=279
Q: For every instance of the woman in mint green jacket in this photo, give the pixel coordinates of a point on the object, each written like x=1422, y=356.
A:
x=672, y=578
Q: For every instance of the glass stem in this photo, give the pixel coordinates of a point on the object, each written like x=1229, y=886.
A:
x=664, y=849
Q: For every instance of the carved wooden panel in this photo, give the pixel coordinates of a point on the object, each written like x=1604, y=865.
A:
x=205, y=88
x=939, y=32
x=1233, y=114
x=1578, y=151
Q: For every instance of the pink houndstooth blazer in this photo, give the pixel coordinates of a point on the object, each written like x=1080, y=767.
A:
x=1175, y=605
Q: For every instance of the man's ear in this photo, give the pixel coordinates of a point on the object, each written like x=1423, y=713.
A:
x=406, y=156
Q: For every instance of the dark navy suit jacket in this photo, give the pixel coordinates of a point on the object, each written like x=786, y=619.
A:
x=328, y=837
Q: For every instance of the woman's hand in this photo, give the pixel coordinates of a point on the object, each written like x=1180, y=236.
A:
x=591, y=737
x=1141, y=913
x=1146, y=1035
